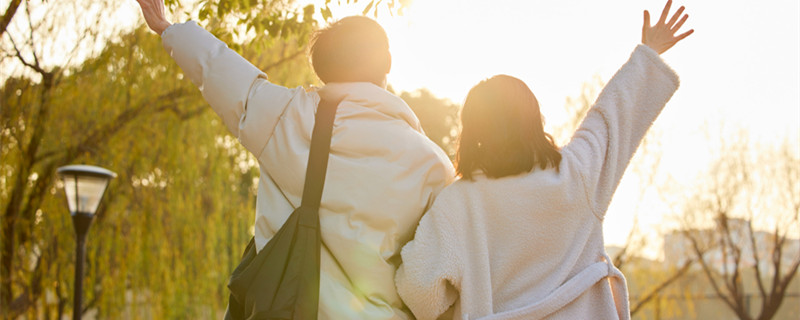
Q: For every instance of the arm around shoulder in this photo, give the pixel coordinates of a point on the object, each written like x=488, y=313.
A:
x=429, y=278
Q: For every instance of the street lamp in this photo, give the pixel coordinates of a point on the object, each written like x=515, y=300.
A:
x=84, y=186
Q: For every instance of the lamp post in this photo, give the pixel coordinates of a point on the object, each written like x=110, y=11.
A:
x=84, y=186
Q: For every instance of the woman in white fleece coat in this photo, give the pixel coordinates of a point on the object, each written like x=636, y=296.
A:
x=519, y=236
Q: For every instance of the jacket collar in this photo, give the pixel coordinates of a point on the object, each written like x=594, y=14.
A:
x=369, y=95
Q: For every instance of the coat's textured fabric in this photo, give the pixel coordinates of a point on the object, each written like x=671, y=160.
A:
x=383, y=171
x=531, y=246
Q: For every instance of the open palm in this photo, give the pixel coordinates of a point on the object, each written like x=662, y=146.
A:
x=661, y=36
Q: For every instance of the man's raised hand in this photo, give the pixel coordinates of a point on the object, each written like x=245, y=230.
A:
x=661, y=36
x=154, y=14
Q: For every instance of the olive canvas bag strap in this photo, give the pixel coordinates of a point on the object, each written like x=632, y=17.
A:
x=318, y=155
x=281, y=281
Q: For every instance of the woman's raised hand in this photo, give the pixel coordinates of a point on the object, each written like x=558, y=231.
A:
x=153, y=11
x=661, y=36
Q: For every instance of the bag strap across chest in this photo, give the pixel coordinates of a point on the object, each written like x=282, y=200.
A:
x=318, y=154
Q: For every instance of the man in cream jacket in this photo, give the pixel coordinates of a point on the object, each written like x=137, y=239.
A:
x=383, y=171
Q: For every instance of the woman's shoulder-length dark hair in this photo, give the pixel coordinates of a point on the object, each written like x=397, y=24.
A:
x=503, y=131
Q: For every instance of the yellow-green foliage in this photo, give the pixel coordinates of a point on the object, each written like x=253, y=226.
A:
x=175, y=220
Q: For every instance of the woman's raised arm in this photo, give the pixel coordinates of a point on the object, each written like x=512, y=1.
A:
x=626, y=108
x=661, y=36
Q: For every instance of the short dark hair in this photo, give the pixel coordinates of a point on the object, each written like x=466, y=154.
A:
x=503, y=131
x=353, y=49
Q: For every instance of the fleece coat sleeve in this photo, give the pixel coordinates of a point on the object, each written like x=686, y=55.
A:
x=613, y=128
x=249, y=105
x=429, y=279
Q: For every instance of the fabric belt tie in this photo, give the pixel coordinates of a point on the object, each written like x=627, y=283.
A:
x=571, y=290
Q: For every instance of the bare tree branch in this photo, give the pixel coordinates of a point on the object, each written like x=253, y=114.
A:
x=707, y=271
x=22, y=60
x=756, y=267
x=8, y=15
x=30, y=35
x=736, y=185
x=776, y=262
x=621, y=257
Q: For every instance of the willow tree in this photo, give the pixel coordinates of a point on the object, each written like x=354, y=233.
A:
x=176, y=218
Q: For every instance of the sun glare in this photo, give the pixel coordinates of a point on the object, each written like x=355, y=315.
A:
x=727, y=68
x=448, y=46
